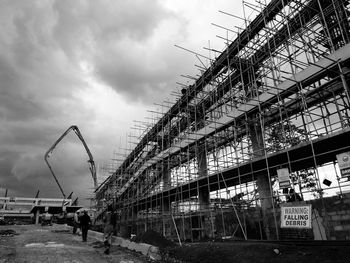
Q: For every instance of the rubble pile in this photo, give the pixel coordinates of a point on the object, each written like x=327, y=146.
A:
x=153, y=238
x=7, y=232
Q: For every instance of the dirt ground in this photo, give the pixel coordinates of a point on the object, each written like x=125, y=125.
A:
x=30, y=243
x=245, y=252
x=39, y=244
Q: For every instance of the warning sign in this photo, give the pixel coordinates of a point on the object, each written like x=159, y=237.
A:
x=296, y=216
x=344, y=163
x=283, y=178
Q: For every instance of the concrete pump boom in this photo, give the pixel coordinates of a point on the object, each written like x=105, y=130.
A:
x=92, y=167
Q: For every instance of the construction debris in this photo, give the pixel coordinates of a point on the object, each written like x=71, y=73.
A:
x=153, y=238
x=8, y=232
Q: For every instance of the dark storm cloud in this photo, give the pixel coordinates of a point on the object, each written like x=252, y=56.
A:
x=24, y=171
x=45, y=49
x=23, y=134
x=19, y=186
x=129, y=60
x=29, y=174
x=136, y=78
x=117, y=38
x=39, y=78
x=33, y=70
x=10, y=85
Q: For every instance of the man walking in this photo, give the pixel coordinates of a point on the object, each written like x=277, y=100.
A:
x=76, y=224
x=85, y=222
x=109, y=227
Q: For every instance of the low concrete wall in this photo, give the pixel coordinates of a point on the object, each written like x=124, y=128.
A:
x=143, y=248
x=334, y=216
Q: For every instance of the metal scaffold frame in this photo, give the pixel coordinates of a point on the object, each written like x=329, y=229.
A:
x=277, y=94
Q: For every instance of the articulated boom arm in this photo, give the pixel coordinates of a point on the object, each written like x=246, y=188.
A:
x=92, y=167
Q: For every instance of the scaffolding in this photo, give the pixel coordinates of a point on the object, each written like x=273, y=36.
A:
x=276, y=97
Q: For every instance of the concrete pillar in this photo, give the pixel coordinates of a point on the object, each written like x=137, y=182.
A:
x=134, y=213
x=203, y=194
x=256, y=137
x=134, y=220
x=166, y=174
x=37, y=215
x=262, y=179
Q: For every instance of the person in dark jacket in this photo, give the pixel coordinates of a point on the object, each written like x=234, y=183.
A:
x=109, y=221
x=85, y=222
x=76, y=224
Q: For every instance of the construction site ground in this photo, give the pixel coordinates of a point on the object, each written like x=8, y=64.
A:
x=247, y=252
x=39, y=244
x=35, y=243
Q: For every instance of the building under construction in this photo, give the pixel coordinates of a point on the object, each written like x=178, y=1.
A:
x=275, y=100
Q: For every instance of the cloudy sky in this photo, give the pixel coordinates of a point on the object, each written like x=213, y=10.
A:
x=98, y=64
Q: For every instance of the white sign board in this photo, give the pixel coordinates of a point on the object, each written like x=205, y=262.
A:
x=296, y=216
x=344, y=163
x=283, y=177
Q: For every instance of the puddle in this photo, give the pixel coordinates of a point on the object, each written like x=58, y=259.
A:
x=54, y=245
x=48, y=244
x=35, y=245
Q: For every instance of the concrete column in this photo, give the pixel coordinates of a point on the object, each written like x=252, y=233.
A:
x=262, y=180
x=37, y=215
x=134, y=213
x=166, y=174
x=203, y=195
x=258, y=151
x=256, y=137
